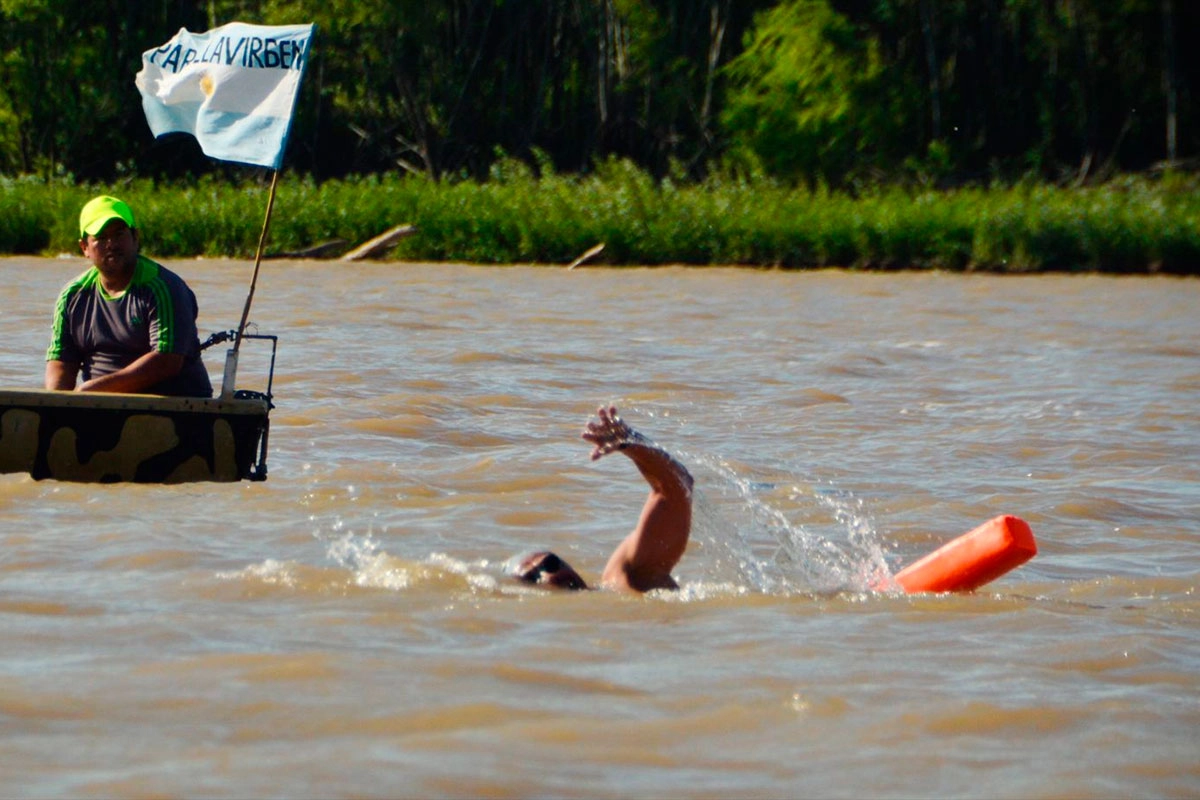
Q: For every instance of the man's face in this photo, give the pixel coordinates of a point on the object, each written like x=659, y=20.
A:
x=114, y=248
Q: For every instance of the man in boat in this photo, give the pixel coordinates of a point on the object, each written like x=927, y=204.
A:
x=128, y=324
x=645, y=558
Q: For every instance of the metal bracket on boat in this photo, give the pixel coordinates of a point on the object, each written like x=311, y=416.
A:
x=258, y=470
x=232, y=335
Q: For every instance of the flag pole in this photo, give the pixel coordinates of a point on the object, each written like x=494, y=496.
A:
x=251, y=127
x=231, y=355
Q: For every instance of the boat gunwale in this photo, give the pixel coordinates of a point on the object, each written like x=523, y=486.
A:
x=148, y=403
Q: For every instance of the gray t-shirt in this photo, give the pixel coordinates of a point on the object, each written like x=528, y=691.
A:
x=104, y=333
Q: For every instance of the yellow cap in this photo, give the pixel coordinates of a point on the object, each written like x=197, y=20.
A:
x=99, y=210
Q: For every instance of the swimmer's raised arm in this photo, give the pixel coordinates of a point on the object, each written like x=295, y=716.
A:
x=645, y=558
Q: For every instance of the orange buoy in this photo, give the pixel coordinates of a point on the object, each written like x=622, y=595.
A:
x=973, y=559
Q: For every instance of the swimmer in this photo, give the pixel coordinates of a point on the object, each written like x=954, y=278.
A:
x=645, y=558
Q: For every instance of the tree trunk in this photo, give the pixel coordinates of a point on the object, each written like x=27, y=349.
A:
x=1170, y=79
x=935, y=82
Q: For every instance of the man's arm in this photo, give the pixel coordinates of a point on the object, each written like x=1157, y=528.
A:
x=60, y=375
x=150, y=369
x=645, y=558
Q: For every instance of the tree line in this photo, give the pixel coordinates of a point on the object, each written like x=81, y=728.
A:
x=824, y=92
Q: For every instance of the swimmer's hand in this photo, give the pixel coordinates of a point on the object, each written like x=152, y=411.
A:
x=610, y=433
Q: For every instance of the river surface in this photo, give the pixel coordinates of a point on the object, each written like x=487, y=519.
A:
x=347, y=628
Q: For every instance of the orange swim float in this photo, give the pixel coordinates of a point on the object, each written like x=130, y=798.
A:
x=973, y=559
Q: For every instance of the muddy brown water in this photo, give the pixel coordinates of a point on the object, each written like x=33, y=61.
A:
x=347, y=629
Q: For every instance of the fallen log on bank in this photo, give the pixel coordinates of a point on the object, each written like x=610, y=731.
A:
x=330, y=249
x=380, y=244
x=591, y=251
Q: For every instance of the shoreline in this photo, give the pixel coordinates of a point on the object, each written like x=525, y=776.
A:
x=1136, y=225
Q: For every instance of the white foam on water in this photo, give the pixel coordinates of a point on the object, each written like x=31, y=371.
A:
x=270, y=571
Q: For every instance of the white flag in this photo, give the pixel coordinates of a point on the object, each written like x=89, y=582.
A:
x=233, y=88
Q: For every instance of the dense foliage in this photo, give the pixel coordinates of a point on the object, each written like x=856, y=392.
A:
x=843, y=93
x=1126, y=225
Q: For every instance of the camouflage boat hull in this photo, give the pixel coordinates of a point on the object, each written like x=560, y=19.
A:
x=110, y=438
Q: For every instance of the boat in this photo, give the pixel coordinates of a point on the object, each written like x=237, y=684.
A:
x=98, y=437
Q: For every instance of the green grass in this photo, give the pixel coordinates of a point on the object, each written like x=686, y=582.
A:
x=1131, y=225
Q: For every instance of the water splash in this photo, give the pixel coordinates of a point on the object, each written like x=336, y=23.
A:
x=370, y=566
x=743, y=532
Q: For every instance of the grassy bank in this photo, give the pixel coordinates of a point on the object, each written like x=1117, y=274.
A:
x=1128, y=225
